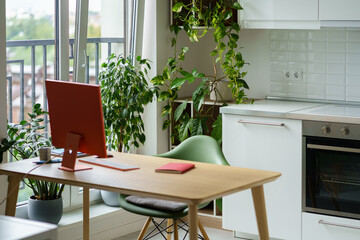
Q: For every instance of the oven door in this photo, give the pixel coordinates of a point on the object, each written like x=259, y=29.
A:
x=332, y=177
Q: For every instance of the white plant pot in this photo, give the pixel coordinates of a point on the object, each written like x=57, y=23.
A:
x=222, y=92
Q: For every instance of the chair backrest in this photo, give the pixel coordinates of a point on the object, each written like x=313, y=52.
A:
x=198, y=148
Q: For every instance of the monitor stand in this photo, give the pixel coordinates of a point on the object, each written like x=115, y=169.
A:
x=70, y=154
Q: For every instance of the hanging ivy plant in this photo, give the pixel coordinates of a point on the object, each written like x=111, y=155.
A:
x=197, y=19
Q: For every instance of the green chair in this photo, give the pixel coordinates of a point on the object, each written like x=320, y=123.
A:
x=197, y=148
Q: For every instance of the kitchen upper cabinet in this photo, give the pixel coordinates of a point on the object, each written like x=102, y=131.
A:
x=272, y=144
x=289, y=14
x=334, y=10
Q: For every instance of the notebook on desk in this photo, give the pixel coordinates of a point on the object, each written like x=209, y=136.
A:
x=104, y=162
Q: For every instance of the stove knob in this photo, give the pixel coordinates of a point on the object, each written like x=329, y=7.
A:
x=325, y=129
x=344, y=131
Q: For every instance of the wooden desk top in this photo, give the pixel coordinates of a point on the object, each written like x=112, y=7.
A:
x=203, y=183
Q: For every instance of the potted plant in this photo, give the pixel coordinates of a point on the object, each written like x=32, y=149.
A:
x=124, y=93
x=196, y=19
x=24, y=141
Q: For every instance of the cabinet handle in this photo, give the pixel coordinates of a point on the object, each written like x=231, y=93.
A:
x=262, y=123
x=333, y=148
x=338, y=225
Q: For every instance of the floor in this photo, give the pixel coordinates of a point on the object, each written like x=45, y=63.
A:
x=214, y=234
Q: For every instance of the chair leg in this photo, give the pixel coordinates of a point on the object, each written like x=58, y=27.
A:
x=176, y=235
x=145, y=227
x=169, y=228
x=202, y=230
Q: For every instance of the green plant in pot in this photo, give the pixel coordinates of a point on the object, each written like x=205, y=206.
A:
x=197, y=19
x=125, y=93
x=23, y=142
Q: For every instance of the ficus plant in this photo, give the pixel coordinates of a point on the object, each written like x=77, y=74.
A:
x=24, y=141
x=197, y=19
x=125, y=92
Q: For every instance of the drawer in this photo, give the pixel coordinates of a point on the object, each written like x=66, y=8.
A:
x=322, y=227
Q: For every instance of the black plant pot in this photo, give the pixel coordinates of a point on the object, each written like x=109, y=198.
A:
x=49, y=211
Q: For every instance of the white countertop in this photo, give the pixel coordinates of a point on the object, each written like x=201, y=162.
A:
x=329, y=112
x=268, y=108
x=298, y=110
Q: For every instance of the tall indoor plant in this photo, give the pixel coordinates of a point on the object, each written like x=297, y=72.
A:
x=124, y=93
x=196, y=19
x=23, y=142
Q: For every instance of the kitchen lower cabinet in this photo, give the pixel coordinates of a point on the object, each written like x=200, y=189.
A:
x=272, y=144
x=323, y=227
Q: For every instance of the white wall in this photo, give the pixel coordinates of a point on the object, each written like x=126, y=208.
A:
x=255, y=49
x=156, y=47
x=3, y=111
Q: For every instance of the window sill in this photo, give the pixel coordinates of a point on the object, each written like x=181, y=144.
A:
x=105, y=222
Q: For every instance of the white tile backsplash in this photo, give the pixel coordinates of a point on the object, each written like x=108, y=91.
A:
x=336, y=36
x=332, y=57
x=353, y=57
x=353, y=47
x=329, y=59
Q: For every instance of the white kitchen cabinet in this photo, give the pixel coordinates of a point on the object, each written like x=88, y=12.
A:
x=288, y=14
x=335, y=10
x=322, y=227
x=270, y=144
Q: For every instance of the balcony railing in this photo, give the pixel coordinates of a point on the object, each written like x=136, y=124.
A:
x=26, y=83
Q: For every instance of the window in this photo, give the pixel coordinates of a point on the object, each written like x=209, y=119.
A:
x=34, y=52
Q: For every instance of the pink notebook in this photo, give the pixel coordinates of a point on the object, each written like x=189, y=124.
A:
x=175, y=167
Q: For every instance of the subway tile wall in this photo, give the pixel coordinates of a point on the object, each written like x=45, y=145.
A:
x=329, y=60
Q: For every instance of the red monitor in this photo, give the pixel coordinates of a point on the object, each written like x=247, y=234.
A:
x=76, y=120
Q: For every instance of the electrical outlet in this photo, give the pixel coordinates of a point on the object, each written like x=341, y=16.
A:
x=293, y=74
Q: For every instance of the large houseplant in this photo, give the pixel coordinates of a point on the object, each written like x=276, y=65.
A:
x=197, y=19
x=124, y=93
x=23, y=142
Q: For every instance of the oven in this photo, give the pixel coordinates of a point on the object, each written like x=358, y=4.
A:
x=331, y=169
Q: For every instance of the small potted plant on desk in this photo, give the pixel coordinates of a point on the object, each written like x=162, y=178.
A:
x=24, y=141
x=124, y=93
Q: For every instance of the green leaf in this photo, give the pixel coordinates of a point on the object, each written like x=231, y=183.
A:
x=217, y=129
x=214, y=53
x=166, y=124
x=177, y=82
x=166, y=110
x=237, y=6
x=178, y=7
x=179, y=110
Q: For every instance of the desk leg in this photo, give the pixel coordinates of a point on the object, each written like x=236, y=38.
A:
x=12, y=193
x=260, y=211
x=193, y=220
x=86, y=215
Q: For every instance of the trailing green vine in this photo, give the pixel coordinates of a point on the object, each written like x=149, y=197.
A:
x=197, y=19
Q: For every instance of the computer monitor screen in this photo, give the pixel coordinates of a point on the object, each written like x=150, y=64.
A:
x=76, y=109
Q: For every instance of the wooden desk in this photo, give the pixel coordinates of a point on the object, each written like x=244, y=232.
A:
x=203, y=183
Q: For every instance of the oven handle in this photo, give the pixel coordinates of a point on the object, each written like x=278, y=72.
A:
x=262, y=123
x=338, y=225
x=333, y=148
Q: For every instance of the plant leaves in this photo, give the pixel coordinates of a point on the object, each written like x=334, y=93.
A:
x=179, y=110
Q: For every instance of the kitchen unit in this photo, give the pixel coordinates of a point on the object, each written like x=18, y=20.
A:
x=269, y=135
x=292, y=14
